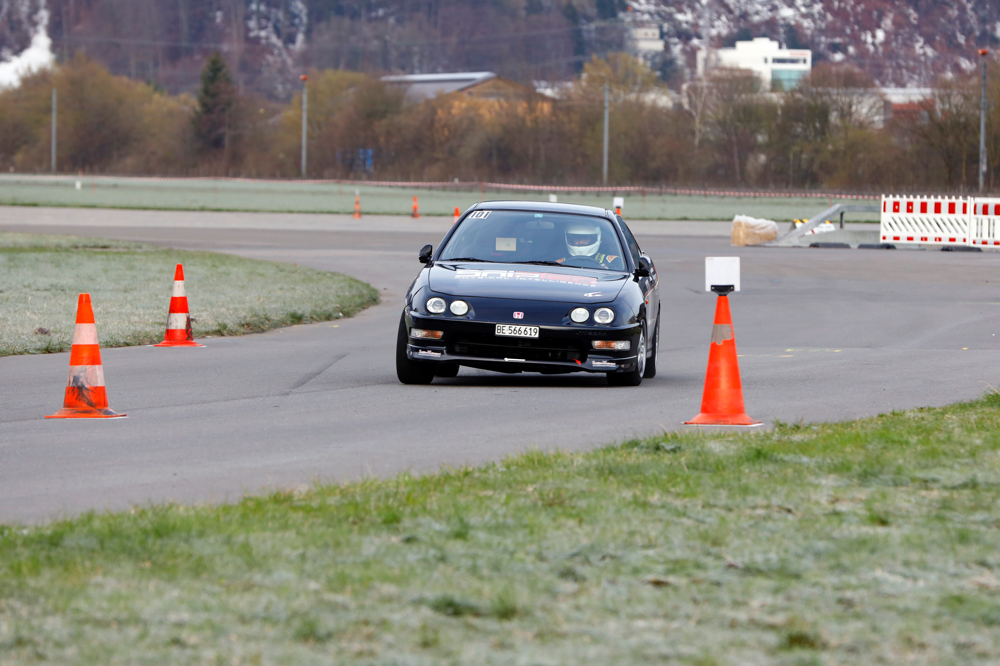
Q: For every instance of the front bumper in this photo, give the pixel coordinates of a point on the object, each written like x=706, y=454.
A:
x=558, y=349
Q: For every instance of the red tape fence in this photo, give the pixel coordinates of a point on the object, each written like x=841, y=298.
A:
x=473, y=185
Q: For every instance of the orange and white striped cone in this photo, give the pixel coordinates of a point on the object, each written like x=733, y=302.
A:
x=722, y=401
x=416, y=209
x=179, y=333
x=457, y=215
x=357, y=206
x=86, y=397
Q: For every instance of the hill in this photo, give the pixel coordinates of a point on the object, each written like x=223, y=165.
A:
x=269, y=42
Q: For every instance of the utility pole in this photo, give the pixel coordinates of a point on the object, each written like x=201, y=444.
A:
x=305, y=118
x=53, y=130
x=604, y=167
x=982, y=124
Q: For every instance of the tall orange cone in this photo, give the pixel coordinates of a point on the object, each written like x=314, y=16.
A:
x=357, y=206
x=618, y=211
x=458, y=214
x=722, y=402
x=416, y=210
x=179, y=332
x=86, y=397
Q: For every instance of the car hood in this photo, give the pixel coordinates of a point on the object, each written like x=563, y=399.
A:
x=531, y=283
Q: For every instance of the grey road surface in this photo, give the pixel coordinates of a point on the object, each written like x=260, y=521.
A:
x=823, y=335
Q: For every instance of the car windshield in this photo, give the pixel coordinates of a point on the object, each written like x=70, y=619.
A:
x=556, y=239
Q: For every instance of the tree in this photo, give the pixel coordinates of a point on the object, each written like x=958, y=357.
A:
x=627, y=78
x=216, y=100
x=948, y=124
x=737, y=119
x=106, y=123
x=817, y=119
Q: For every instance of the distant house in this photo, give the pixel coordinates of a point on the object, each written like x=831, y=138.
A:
x=777, y=68
x=480, y=85
x=643, y=41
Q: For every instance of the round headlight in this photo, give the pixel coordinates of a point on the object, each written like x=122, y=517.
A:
x=459, y=308
x=604, y=315
x=435, y=305
x=579, y=315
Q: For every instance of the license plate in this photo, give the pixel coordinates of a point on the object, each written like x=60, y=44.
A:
x=514, y=331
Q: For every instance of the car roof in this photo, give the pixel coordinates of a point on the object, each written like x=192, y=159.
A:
x=542, y=206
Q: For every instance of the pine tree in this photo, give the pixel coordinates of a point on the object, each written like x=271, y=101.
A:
x=216, y=99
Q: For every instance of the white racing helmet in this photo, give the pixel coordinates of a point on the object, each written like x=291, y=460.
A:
x=583, y=238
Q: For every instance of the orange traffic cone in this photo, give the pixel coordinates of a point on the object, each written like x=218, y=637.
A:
x=416, y=210
x=618, y=211
x=179, y=332
x=458, y=214
x=722, y=402
x=357, y=206
x=86, y=397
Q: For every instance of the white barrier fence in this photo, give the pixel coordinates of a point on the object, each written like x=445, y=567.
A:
x=912, y=220
x=985, y=222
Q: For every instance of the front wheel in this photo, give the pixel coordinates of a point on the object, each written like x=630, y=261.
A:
x=634, y=376
x=408, y=371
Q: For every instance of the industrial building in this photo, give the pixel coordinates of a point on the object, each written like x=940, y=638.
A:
x=777, y=68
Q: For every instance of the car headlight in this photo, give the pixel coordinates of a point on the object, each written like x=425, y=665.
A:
x=579, y=315
x=435, y=305
x=459, y=308
x=604, y=315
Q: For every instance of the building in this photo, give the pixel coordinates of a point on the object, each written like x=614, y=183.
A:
x=481, y=85
x=777, y=68
x=644, y=42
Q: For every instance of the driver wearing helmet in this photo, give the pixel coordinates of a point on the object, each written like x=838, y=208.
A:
x=583, y=239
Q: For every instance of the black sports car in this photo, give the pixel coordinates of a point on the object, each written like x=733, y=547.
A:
x=519, y=286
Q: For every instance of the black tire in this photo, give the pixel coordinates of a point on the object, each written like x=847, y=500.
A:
x=653, y=352
x=446, y=370
x=410, y=372
x=634, y=376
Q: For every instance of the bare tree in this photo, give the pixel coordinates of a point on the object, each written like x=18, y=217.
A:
x=697, y=96
x=736, y=117
x=947, y=123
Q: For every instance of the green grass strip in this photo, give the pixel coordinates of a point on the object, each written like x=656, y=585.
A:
x=299, y=197
x=130, y=284
x=858, y=542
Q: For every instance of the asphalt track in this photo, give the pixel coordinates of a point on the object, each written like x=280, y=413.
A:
x=823, y=335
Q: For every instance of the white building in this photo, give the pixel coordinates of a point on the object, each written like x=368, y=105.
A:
x=644, y=41
x=777, y=68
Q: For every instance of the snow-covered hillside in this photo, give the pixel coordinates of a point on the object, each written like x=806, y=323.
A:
x=898, y=42
x=902, y=43
x=24, y=42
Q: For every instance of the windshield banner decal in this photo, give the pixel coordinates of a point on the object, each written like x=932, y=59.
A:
x=525, y=275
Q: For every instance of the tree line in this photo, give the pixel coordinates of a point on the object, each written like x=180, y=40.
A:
x=834, y=132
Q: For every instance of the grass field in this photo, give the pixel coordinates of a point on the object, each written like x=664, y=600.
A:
x=130, y=286
x=291, y=196
x=873, y=541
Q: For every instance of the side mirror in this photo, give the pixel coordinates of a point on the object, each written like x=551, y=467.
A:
x=425, y=254
x=642, y=270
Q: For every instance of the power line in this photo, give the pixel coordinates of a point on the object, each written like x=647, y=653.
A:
x=472, y=41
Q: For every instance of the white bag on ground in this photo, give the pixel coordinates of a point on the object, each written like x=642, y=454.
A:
x=751, y=231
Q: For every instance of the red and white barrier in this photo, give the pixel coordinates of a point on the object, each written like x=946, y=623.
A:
x=914, y=220
x=984, y=228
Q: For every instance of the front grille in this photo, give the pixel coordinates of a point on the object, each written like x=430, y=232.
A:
x=529, y=349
